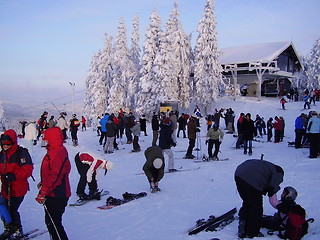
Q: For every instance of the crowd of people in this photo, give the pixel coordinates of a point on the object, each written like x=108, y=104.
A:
x=166, y=127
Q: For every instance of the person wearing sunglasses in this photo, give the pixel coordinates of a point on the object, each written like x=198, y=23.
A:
x=15, y=168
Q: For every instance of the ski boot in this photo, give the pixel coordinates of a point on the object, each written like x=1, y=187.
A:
x=95, y=195
x=8, y=231
x=17, y=234
x=113, y=201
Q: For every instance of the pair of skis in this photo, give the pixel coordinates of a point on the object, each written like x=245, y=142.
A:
x=33, y=234
x=213, y=223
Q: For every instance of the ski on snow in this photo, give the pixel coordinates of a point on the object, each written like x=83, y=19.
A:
x=82, y=202
x=213, y=223
x=112, y=202
x=33, y=234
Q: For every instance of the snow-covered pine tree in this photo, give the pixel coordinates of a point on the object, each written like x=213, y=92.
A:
x=2, y=117
x=313, y=66
x=133, y=86
x=207, y=71
x=122, y=72
x=147, y=100
x=173, y=61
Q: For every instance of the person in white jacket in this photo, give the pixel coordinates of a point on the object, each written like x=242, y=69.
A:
x=30, y=137
x=63, y=125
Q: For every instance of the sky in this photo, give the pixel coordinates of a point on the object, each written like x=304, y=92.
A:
x=46, y=44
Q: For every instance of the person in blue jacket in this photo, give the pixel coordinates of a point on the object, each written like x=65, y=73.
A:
x=103, y=123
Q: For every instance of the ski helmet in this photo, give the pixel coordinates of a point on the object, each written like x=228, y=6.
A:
x=292, y=193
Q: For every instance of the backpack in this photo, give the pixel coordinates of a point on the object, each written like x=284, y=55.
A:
x=294, y=224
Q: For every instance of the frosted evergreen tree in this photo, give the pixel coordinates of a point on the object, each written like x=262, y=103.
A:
x=2, y=117
x=148, y=100
x=313, y=66
x=135, y=51
x=173, y=61
x=122, y=72
x=207, y=71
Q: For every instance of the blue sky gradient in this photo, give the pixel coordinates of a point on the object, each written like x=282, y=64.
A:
x=45, y=44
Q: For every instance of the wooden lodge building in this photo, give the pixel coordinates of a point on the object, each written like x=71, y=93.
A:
x=262, y=69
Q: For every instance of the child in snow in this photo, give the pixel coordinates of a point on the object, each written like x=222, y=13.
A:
x=154, y=167
x=287, y=201
x=283, y=102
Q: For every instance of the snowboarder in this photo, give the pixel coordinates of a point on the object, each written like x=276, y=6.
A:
x=255, y=178
x=192, y=135
x=54, y=188
x=154, y=167
x=110, y=135
x=15, y=168
x=165, y=142
x=87, y=167
x=74, y=125
x=214, y=137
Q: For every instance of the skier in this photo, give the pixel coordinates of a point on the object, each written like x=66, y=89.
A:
x=42, y=123
x=15, y=168
x=313, y=129
x=248, y=132
x=54, y=188
x=154, y=167
x=110, y=135
x=63, y=125
x=83, y=123
x=155, y=128
x=74, y=125
x=143, y=124
x=165, y=142
x=192, y=134
x=87, y=167
x=255, y=178
x=136, y=134
x=214, y=137
x=30, y=137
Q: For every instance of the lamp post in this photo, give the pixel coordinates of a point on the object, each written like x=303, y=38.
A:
x=73, y=97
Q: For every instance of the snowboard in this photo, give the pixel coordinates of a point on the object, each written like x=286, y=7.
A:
x=213, y=222
x=206, y=159
x=82, y=202
x=112, y=202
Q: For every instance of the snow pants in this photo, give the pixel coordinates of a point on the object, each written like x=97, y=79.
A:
x=155, y=135
x=314, y=144
x=216, y=144
x=55, y=208
x=171, y=159
x=192, y=143
x=252, y=209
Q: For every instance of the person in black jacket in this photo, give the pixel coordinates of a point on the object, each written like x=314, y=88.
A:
x=155, y=128
x=255, y=178
x=240, y=131
x=182, y=125
x=248, y=133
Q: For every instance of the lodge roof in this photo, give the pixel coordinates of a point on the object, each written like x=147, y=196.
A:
x=263, y=52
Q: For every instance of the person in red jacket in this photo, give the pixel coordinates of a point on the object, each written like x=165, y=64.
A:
x=278, y=126
x=54, y=188
x=15, y=168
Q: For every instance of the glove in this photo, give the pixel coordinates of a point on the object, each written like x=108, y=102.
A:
x=41, y=198
x=207, y=142
x=9, y=177
x=34, y=142
x=198, y=130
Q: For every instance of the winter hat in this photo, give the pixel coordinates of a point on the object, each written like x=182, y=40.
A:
x=109, y=165
x=166, y=121
x=157, y=163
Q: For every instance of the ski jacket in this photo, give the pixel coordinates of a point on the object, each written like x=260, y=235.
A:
x=278, y=125
x=74, y=123
x=111, y=128
x=103, y=123
x=165, y=139
x=143, y=123
x=182, y=123
x=151, y=154
x=192, y=128
x=313, y=125
x=55, y=167
x=62, y=123
x=136, y=130
x=174, y=121
x=299, y=123
x=248, y=129
x=15, y=160
x=30, y=132
x=155, y=123
x=262, y=175
x=215, y=135
x=239, y=125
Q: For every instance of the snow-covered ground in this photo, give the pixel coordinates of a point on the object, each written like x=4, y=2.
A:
x=185, y=196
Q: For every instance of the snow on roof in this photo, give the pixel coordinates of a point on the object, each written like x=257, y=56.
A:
x=263, y=52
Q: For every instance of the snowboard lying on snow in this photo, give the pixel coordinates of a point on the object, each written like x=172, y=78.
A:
x=81, y=202
x=112, y=202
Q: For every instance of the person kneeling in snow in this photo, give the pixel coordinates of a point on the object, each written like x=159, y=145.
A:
x=154, y=167
x=87, y=167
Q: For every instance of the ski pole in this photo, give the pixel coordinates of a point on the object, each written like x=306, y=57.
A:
x=55, y=227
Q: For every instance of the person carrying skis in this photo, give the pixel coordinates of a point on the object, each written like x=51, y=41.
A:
x=74, y=125
x=255, y=178
x=154, y=167
x=15, y=168
x=214, y=137
x=87, y=166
